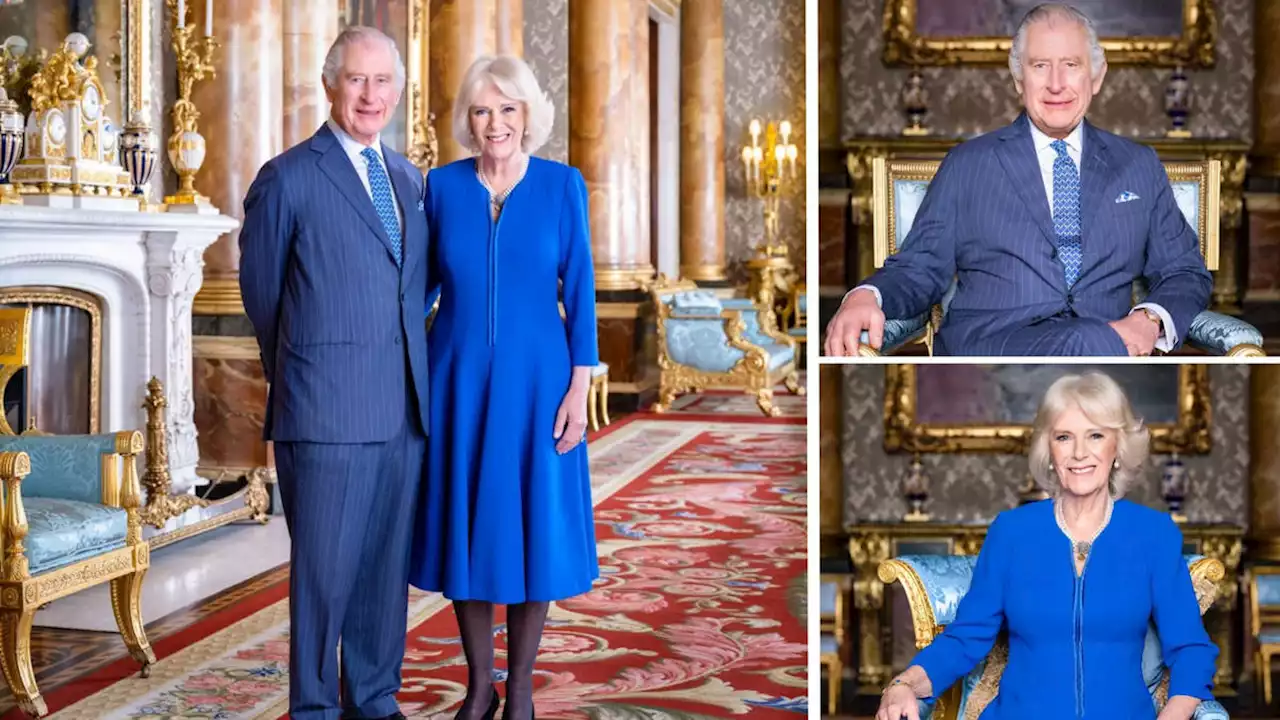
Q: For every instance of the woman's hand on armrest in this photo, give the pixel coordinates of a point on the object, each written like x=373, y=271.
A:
x=1179, y=707
x=901, y=699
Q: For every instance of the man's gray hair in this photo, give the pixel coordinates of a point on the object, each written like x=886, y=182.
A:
x=353, y=34
x=1055, y=11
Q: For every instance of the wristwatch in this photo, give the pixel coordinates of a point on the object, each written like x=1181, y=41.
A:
x=1151, y=316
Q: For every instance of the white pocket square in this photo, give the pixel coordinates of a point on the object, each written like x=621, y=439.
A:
x=1126, y=196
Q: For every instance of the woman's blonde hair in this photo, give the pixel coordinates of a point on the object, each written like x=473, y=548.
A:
x=1102, y=401
x=513, y=78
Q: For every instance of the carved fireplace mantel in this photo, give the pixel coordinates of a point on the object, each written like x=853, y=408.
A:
x=145, y=268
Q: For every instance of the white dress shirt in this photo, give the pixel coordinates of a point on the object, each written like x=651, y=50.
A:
x=353, y=149
x=1046, y=155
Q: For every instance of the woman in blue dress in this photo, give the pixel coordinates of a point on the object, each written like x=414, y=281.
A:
x=506, y=514
x=1076, y=580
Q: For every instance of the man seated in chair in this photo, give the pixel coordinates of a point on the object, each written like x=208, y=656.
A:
x=1044, y=226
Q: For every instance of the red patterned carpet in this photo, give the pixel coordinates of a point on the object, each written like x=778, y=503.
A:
x=698, y=613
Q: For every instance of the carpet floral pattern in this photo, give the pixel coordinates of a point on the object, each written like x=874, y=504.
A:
x=698, y=612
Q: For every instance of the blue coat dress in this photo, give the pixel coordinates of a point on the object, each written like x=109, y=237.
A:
x=1075, y=645
x=503, y=517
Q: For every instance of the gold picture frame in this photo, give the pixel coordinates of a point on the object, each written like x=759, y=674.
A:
x=903, y=432
x=904, y=46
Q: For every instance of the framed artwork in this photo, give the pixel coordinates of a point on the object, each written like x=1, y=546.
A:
x=991, y=408
x=1163, y=33
x=406, y=21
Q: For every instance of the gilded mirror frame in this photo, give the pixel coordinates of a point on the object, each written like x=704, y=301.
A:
x=1194, y=48
x=904, y=433
x=91, y=304
x=419, y=135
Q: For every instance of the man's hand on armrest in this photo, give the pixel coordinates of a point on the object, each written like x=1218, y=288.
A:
x=1139, y=330
x=859, y=311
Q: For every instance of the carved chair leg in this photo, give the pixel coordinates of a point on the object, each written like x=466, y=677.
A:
x=604, y=400
x=834, y=677
x=126, y=601
x=666, y=395
x=15, y=656
x=1264, y=669
x=764, y=400
x=792, y=381
x=593, y=419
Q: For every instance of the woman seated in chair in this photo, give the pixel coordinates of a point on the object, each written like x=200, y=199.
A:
x=1076, y=581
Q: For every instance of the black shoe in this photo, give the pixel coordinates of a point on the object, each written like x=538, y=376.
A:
x=492, y=712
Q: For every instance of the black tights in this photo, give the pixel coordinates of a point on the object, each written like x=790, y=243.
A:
x=524, y=633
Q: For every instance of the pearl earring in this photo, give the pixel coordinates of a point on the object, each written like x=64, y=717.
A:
x=1116, y=464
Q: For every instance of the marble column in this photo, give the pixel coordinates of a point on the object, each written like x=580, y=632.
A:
x=608, y=97
x=702, y=256
x=108, y=18
x=240, y=112
x=308, y=31
x=641, y=129
x=1264, y=462
x=460, y=32
x=829, y=90
x=1266, y=84
x=510, y=27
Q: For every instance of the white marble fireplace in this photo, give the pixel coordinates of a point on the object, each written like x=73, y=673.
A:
x=145, y=268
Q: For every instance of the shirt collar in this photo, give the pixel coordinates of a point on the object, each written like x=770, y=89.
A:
x=1075, y=139
x=350, y=144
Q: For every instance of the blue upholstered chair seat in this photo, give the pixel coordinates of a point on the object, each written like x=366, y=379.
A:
x=828, y=644
x=1269, y=636
x=600, y=369
x=62, y=466
x=946, y=579
x=64, y=531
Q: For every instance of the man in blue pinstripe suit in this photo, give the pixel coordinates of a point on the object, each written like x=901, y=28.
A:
x=333, y=272
x=1043, y=225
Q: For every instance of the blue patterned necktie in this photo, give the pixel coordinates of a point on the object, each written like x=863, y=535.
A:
x=383, y=201
x=1066, y=211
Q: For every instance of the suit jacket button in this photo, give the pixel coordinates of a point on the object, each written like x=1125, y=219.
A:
x=401, y=297
x=1070, y=298
x=1054, y=255
x=397, y=339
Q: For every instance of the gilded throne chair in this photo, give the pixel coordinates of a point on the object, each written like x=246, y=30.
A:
x=69, y=520
x=934, y=586
x=899, y=187
x=708, y=341
x=1264, y=623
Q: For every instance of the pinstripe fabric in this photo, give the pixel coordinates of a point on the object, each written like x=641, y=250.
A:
x=349, y=509
x=341, y=330
x=986, y=223
x=335, y=317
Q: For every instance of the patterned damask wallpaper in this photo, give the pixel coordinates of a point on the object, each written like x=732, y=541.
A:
x=973, y=487
x=764, y=77
x=970, y=101
x=546, y=49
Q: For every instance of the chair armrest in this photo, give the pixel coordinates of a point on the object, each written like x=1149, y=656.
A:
x=925, y=708
x=14, y=466
x=1210, y=710
x=1219, y=334
x=897, y=333
x=85, y=468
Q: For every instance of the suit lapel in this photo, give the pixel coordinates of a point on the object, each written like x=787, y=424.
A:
x=402, y=185
x=336, y=165
x=1018, y=156
x=1096, y=174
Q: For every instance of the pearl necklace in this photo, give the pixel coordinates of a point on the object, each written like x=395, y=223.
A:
x=496, y=199
x=1082, y=547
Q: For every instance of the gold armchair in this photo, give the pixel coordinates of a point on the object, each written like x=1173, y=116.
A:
x=70, y=521
x=707, y=341
x=834, y=620
x=1264, y=622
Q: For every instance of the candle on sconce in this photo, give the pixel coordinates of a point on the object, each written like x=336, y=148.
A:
x=208, y=18
x=746, y=162
x=755, y=132
x=791, y=155
x=182, y=14
x=758, y=156
x=779, y=156
x=785, y=129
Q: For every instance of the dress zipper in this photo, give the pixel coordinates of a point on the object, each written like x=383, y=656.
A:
x=1077, y=630
x=494, y=225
